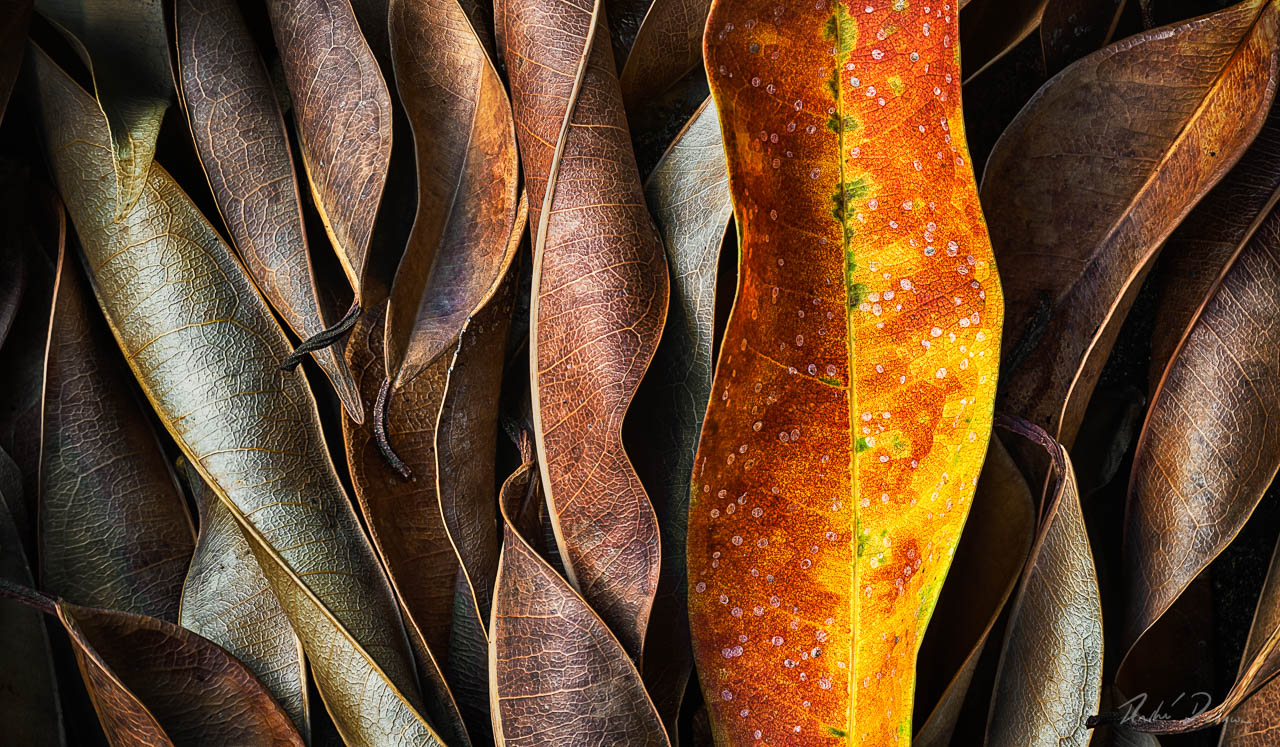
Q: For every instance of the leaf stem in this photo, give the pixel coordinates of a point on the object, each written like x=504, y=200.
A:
x=28, y=596
x=323, y=338
x=380, y=432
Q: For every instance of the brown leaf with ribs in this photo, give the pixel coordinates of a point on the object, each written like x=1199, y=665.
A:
x=155, y=684
x=598, y=302
x=1079, y=198
x=1210, y=446
x=557, y=675
x=114, y=528
x=668, y=45
x=241, y=140
x=468, y=182
x=1252, y=723
x=343, y=112
x=1193, y=257
x=403, y=516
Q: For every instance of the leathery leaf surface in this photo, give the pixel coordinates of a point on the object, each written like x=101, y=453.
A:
x=852, y=401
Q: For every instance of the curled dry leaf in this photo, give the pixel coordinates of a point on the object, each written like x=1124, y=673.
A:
x=343, y=113
x=1210, y=446
x=114, y=529
x=155, y=684
x=989, y=559
x=1251, y=724
x=1193, y=257
x=227, y=599
x=667, y=47
x=468, y=183
x=403, y=516
x=557, y=675
x=241, y=140
x=595, y=249
x=207, y=352
x=852, y=401
x=1081, y=199
x=1049, y=680
x=688, y=193
x=31, y=710
x=125, y=45
x=991, y=29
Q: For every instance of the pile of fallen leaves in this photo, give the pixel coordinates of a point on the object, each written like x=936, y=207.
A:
x=418, y=372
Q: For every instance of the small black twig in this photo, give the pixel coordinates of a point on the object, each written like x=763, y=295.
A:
x=322, y=339
x=28, y=596
x=380, y=432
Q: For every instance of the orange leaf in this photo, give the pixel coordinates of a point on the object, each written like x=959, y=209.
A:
x=852, y=403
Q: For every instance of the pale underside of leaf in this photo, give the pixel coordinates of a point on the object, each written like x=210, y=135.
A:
x=203, y=345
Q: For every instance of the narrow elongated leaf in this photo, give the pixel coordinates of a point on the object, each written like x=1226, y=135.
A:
x=558, y=676
x=468, y=189
x=227, y=599
x=1049, y=680
x=114, y=528
x=1210, y=446
x=667, y=46
x=991, y=29
x=126, y=48
x=599, y=299
x=155, y=684
x=989, y=559
x=1252, y=723
x=852, y=401
x=1081, y=199
x=30, y=707
x=688, y=193
x=203, y=345
x=343, y=112
x=403, y=516
x=1195, y=254
x=241, y=140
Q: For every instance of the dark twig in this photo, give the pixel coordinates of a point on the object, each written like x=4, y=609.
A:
x=322, y=339
x=380, y=432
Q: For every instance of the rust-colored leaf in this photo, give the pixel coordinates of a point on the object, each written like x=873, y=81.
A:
x=1049, y=680
x=557, y=675
x=468, y=190
x=154, y=683
x=30, y=708
x=343, y=112
x=114, y=528
x=688, y=193
x=1210, y=446
x=989, y=559
x=1080, y=198
x=227, y=599
x=667, y=47
x=852, y=400
x=599, y=299
x=241, y=141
